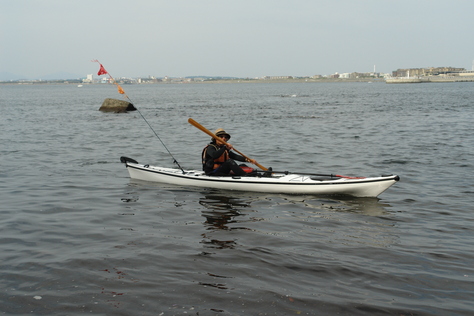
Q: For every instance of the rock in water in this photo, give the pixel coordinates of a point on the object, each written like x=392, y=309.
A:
x=116, y=106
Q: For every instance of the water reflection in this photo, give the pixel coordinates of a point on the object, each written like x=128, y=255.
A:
x=226, y=205
x=363, y=206
x=299, y=217
x=222, y=211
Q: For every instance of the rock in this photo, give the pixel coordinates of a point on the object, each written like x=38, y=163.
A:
x=116, y=106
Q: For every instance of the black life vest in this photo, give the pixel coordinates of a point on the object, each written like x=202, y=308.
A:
x=209, y=163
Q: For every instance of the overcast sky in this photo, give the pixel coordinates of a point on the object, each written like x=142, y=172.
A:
x=242, y=38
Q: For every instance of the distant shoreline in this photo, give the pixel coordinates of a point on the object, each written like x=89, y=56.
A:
x=306, y=80
x=78, y=82
x=219, y=81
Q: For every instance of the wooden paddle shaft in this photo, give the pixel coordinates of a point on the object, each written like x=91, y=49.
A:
x=208, y=132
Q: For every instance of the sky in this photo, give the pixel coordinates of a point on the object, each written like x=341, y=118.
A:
x=178, y=38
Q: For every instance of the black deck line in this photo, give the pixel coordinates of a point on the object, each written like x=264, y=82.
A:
x=202, y=178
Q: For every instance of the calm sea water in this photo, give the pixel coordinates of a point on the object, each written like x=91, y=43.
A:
x=78, y=236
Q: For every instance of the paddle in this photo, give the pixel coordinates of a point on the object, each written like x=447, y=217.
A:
x=208, y=132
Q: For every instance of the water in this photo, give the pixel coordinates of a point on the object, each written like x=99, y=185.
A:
x=78, y=236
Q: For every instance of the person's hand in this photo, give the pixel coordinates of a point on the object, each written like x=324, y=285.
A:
x=229, y=146
x=252, y=161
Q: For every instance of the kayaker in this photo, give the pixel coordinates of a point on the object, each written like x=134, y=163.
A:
x=218, y=159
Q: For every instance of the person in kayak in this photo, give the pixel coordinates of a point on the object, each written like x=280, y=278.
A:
x=218, y=159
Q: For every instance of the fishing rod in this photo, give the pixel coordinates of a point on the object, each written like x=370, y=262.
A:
x=169, y=152
x=102, y=71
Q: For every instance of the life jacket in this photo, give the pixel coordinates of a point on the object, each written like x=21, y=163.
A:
x=207, y=162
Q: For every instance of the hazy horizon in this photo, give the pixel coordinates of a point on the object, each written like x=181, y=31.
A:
x=231, y=39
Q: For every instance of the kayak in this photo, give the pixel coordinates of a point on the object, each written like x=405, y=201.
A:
x=268, y=182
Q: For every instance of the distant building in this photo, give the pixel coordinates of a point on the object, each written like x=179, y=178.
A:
x=431, y=71
x=89, y=79
x=464, y=73
x=277, y=77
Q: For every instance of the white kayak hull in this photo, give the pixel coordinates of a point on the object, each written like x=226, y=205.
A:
x=277, y=183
